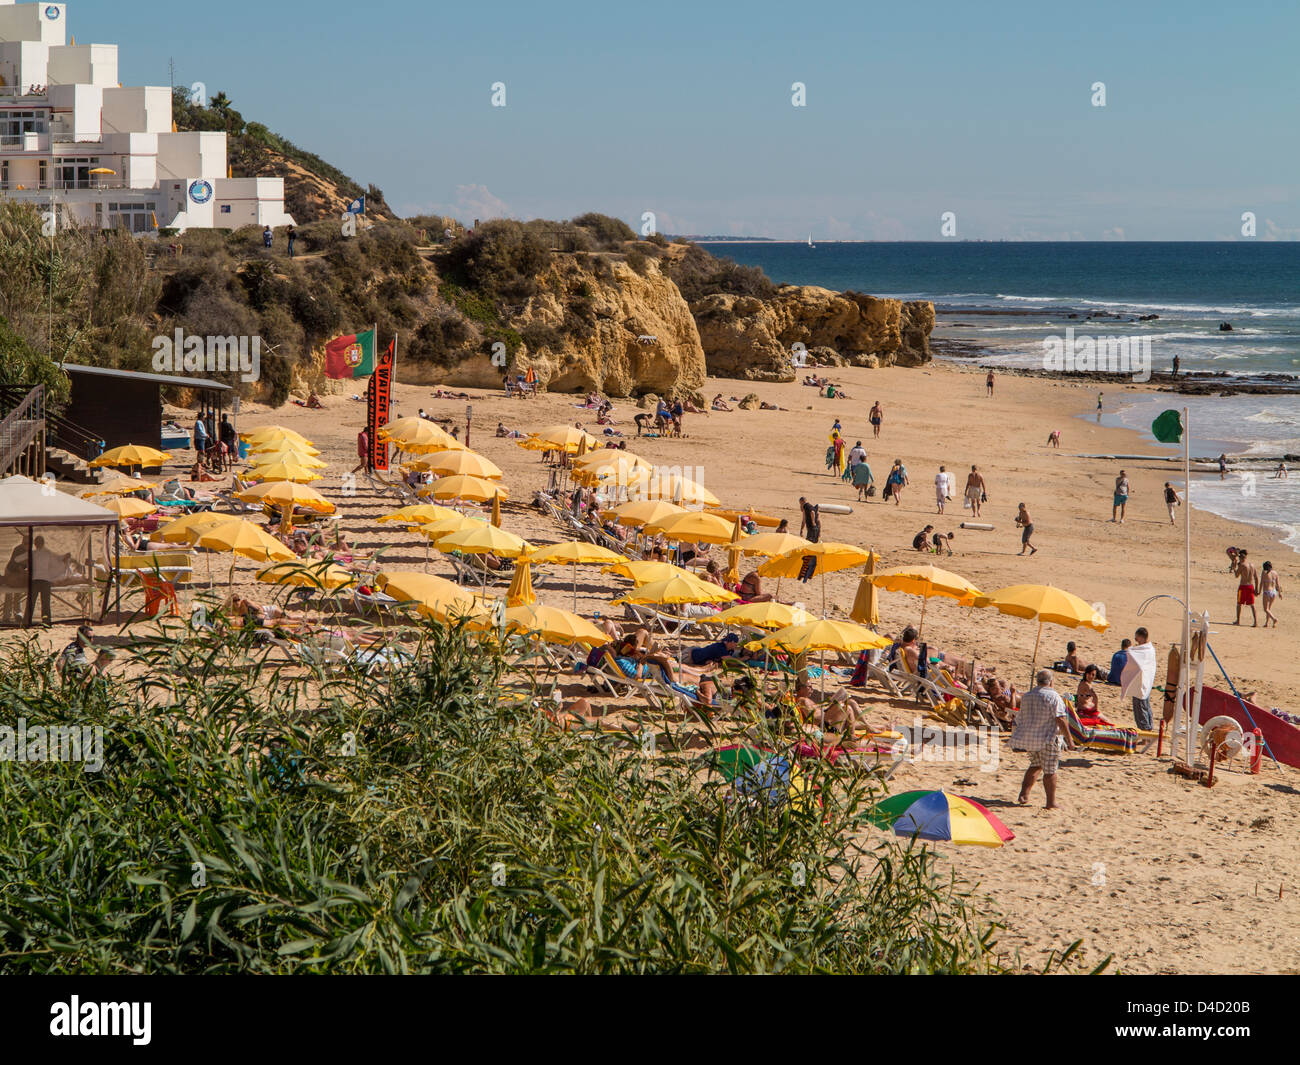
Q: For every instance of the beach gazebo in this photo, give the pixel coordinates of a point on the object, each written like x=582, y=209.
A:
x=54, y=548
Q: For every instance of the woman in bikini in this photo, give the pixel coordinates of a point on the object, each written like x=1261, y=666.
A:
x=1270, y=591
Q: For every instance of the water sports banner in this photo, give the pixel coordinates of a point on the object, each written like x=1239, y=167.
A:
x=378, y=399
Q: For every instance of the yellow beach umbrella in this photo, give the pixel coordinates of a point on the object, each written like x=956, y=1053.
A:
x=865, y=608
x=608, y=454
x=496, y=510
x=687, y=589
x=131, y=455
x=438, y=528
x=185, y=528
x=461, y=486
x=283, y=471
x=119, y=485
x=418, y=436
x=520, y=592
x=484, y=539
x=553, y=625
x=677, y=488
x=282, y=443
x=418, y=514
x=566, y=438
x=620, y=469
x=287, y=494
x=645, y=511
x=1045, y=604
x=732, y=574
x=693, y=527
x=830, y=558
x=288, y=454
x=575, y=553
x=928, y=582
x=126, y=507
x=469, y=463
x=768, y=615
x=242, y=537
x=822, y=635
x=273, y=432
x=767, y=521
x=435, y=596
x=771, y=544
x=645, y=570
x=328, y=576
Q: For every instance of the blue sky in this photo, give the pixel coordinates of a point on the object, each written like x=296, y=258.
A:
x=684, y=109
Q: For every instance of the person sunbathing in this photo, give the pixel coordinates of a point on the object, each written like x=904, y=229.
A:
x=718, y=403
x=909, y=649
x=751, y=588
x=690, y=408
x=1085, y=700
x=1004, y=698
x=711, y=574
x=442, y=393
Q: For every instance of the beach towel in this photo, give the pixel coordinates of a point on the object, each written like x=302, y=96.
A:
x=1138, y=676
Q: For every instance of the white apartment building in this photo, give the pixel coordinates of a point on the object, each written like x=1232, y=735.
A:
x=74, y=140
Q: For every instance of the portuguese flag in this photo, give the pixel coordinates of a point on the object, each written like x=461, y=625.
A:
x=351, y=356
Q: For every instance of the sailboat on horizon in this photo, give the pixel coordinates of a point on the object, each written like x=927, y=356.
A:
x=810, y=243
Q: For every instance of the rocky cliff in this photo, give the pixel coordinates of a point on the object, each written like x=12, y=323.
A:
x=751, y=338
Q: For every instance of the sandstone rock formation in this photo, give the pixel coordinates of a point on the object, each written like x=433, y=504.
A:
x=754, y=339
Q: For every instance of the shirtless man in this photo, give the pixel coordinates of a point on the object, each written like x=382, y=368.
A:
x=1270, y=587
x=1026, y=524
x=975, y=490
x=1247, y=586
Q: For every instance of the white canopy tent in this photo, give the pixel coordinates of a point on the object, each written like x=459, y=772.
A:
x=51, y=546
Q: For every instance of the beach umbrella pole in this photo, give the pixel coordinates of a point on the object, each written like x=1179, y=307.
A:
x=1034, y=661
x=921, y=631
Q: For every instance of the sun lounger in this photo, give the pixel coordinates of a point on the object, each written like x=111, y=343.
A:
x=1110, y=738
x=656, y=621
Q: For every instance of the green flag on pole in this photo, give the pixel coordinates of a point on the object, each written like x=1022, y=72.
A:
x=1168, y=427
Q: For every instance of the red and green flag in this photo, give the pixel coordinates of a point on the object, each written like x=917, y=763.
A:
x=351, y=356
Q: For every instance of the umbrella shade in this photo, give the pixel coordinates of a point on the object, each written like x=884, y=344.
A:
x=927, y=581
x=620, y=469
x=485, y=539
x=866, y=610
x=304, y=574
x=693, y=527
x=770, y=544
x=126, y=507
x=645, y=571
x=936, y=815
x=435, y=530
x=419, y=436
x=678, y=488
x=461, y=486
x=520, y=592
x=131, y=455
x=688, y=589
x=188, y=527
x=830, y=557
x=769, y=615
x=469, y=463
x=274, y=432
x=242, y=537
x=287, y=494
x=560, y=438
x=1045, y=604
x=285, y=453
x=602, y=455
x=644, y=511
x=431, y=595
x=554, y=625
x=419, y=513
x=102, y=170
x=283, y=471
x=767, y=521
x=119, y=485
x=575, y=553
x=822, y=634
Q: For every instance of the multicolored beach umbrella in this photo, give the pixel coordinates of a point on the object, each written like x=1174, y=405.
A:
x=936, y=815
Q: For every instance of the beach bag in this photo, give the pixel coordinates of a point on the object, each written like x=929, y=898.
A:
x=830, y=457
x=889, y=490
x=871, y=490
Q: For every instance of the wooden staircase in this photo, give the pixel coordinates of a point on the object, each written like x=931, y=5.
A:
x=22, y=437
x=35, y=441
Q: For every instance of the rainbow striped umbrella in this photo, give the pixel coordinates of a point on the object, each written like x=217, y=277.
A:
x=937, y=815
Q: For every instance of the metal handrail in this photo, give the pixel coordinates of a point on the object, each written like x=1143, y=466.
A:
x=21, y=426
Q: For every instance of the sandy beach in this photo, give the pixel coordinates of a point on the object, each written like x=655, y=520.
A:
x=1165, y=875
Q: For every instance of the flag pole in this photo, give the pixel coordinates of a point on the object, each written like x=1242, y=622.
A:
x=1189, y=724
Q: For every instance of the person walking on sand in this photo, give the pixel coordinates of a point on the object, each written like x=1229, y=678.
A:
x=1099, y=395
x=1270, y=587
x=896, y=482
x=877, y=416
x=1054, y=440
x=988, y=384
x=862, y=477
x=942, y=487
x=1040, y=720
x=1247, y=587
x=857, y=453
x=975, y=490
x=1120, y=501
x=1026, y=524
x=363, y=451
x=810, y=522
x=1172, y=502
x=1223, y=467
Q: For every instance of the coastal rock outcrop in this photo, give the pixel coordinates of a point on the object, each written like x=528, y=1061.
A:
x=751, y=338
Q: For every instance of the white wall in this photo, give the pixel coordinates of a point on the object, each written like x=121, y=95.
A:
x=24, y=63
x=138, y=109
x=28, y=22
x=94, y=64
x=191, y=155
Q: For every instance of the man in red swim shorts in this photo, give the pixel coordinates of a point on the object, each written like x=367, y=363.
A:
x=1247, y=586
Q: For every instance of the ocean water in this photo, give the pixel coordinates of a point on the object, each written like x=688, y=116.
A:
x=1006, y=298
